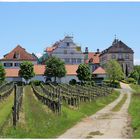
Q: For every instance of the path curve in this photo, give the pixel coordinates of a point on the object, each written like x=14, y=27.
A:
x=105, y=123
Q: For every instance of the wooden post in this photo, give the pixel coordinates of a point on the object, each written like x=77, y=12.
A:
x=14, y=107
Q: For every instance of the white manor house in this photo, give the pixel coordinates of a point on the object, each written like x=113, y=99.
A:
x=67, y=50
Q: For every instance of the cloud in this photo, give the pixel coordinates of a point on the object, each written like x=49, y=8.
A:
x=136, y=61
x=38, y=55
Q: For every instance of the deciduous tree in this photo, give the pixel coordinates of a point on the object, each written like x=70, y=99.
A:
x=26, y=70
x=83, y=72
x=2, y=73
x=114, y=71
x=134, y=74
x=55, y=67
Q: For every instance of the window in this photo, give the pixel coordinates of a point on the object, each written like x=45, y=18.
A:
x=17, y=64
x=73, y=60
x=120, y=49
x=67, y=60
x=113, y=56
x=16, y=55
x=8, y=64
x=68, y=43
x=127, y=56
x=120, y=56
x=65, y=51
x=78, y=60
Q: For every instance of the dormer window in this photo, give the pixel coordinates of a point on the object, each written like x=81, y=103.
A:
x=16, y=55
x=68, y=43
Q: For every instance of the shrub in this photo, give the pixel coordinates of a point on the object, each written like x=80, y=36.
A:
x=131, y=80
x=115, y=84
x=36, y=82
x=72, y=82
x=20, y=83
x=91, y=83
x=124, y=81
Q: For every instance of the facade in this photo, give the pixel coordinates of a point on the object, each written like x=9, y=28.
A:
x=99, y=75
x=12, y=74
x=67, y=51
x=17, y=56
x=92, y=58
x=120, y=52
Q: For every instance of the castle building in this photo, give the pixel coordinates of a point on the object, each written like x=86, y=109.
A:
x=122, y=53
x=17, y=56
x=67, y=50
x=92, y=58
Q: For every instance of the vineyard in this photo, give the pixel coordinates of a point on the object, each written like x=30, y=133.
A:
x=42, y=109
x=54, y=95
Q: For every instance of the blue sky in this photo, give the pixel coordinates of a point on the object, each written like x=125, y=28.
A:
x=36, y=26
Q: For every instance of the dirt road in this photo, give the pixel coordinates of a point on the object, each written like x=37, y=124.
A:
x=105, y=123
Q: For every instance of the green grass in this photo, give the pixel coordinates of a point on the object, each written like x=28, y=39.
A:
x=5, y=110
x=136, y=88
x=134, y=111
x=120, y=104
x=41, y=123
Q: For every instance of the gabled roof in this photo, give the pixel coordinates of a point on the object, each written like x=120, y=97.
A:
x=19, y=53
x=99, y=70
x=118, y=47
x=51, y=49
x=67, y=39
x=93, y=58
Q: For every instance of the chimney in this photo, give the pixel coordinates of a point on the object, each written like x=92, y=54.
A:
x=86, y=50
x=98, y=51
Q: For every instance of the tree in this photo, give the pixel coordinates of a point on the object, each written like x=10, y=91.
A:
x=2, y=73
x=134, y=74
x=26, y=70
x=83, y=72
x=55, y=67
x=114, y=71
x=137, y=68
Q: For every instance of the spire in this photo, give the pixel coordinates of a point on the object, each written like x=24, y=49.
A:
x=115, y=36
x=115, y=40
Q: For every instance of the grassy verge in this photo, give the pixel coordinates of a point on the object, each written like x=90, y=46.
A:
x=120, y=104
x=134, y=111
x=41, y=123
x=5, y=110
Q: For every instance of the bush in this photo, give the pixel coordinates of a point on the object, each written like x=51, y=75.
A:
x=124, y=81
x=91, y=83
x=131, y=80
x=48, y=80
x=20, y=83
x=116, y=84
x=36, y=82
x=72, y=82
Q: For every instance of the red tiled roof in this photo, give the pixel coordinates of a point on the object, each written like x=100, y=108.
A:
x=12, y=72
x=40, y=69
x=51, y=49
x=99, y=70
x=23, y=55
x=93, y=57
x=71, y=69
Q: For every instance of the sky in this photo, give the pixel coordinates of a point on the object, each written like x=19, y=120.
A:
x=36, y=26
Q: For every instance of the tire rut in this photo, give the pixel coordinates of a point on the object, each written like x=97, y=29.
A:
x=105, y=123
